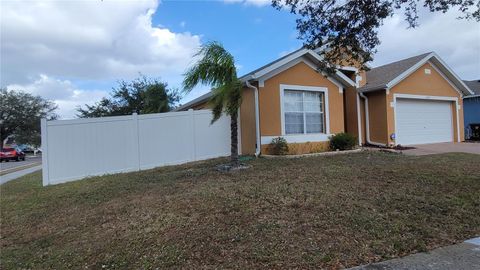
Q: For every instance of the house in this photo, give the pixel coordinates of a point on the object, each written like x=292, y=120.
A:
x=411, y=101
x=416, y=100
x=471, y=106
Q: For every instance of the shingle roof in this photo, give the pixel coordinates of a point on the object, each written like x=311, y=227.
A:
x=379, y=77
x=474, y=86
x=194, y=102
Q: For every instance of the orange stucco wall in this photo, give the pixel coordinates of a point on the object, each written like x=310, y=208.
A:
x=342, y=108
x=419, y=83
x=304, y=75
x=247, y=122
x=351, y=108
x=377, y=116
x=363, y=121
x=351, y=114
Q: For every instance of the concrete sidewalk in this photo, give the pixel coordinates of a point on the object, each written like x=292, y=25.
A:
x=463, y=256
x=14, y=175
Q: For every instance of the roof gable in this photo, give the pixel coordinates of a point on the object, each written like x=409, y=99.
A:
x=270, y=69
x=379, y=77
x=265, y=72
x=387, y=76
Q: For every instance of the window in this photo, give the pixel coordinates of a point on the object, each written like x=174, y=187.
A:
x=303, y=112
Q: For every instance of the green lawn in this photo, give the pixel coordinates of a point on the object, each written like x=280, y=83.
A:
x=316, y=212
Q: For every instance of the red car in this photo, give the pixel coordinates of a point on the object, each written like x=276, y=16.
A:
x=8, y=154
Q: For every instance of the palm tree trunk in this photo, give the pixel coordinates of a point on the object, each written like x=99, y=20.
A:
x=234, y=140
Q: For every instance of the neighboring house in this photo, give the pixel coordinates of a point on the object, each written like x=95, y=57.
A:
x=416, y=100
x=471, y=106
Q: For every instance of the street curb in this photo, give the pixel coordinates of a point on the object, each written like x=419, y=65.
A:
x=14, y=175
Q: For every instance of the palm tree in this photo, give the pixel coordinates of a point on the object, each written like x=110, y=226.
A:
x=216, y=68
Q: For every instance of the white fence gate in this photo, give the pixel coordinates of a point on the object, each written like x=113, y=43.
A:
x=75, y=149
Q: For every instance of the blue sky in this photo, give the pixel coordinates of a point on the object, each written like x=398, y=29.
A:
x=73, y=52
x=254, y=35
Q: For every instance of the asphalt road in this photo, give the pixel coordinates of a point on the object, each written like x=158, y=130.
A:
x=11, y=166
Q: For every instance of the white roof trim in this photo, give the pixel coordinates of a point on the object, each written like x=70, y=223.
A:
x=286, y=66
x=420, y=63
x=345, y=79
x=272, y=70
x=347, y=68
x=409, y=71
x=278, y=64
x=445, y=78
x=269, y=71
x=453, y=73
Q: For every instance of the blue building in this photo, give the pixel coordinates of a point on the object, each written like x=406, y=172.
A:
x=471, y=110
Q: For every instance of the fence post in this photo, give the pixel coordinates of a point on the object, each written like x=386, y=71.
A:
x=44, y=145
x=136, y=141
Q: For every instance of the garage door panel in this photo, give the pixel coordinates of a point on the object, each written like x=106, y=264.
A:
x=423, y=121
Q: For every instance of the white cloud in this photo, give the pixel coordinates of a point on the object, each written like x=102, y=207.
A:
x=258, y=3
x=87, y=40
x=455, y=41
x=63, y=92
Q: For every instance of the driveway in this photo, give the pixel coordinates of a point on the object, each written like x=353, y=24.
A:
x=439, y=148
x=463, y=256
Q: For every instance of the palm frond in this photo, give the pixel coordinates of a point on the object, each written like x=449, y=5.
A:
x=215, y=67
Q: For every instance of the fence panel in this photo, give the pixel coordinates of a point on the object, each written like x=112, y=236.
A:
x=75, y=149
x=216, y=139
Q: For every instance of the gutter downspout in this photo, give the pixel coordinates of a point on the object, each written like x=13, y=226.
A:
x=359, y=121
x=367, y=124
x=257, y=118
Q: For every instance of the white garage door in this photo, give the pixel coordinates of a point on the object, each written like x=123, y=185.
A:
x=423, y=121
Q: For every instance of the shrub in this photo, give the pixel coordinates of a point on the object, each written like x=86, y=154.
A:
x=342, y=141
x=279, y=146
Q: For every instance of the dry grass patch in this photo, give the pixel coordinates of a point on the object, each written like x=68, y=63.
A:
x=316, y=212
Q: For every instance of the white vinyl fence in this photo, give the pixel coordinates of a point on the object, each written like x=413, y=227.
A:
x=75, y=149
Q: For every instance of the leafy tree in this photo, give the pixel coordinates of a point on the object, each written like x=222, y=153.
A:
x=20, y=115
x=142, y=95
x=353, y=25
x=216, y=68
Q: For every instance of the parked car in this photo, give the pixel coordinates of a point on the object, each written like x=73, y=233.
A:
x=25, y=148
x=8, y=154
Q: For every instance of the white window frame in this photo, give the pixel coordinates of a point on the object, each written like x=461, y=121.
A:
x=304, y=112
x=306, y=136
